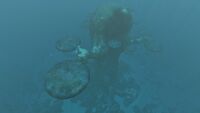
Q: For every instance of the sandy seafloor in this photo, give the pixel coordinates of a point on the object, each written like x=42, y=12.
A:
x=169, y=80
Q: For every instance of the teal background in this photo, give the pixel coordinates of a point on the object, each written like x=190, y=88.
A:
x=29, y=28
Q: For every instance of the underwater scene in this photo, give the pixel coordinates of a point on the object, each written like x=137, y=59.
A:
x=99, y=56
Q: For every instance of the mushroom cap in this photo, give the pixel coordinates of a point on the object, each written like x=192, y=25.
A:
x=67, y=79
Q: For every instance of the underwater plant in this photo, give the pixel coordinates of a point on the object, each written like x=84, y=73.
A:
x=98, y=85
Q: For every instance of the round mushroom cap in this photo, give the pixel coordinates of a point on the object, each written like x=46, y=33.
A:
x=67, y=79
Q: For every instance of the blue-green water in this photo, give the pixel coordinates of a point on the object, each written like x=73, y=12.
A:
x=169, y=80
